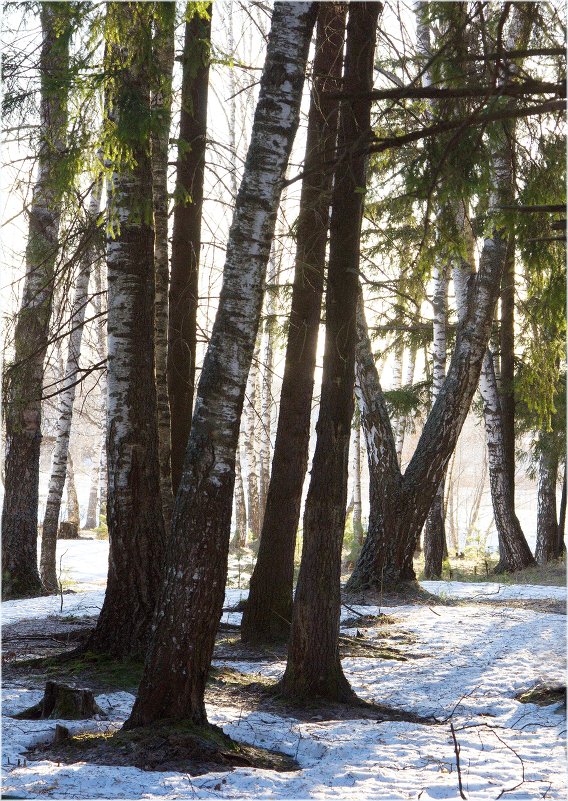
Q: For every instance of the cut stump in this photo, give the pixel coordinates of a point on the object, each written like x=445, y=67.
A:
x=62, y=702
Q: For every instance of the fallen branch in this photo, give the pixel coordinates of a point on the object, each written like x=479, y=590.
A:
x=457, y=752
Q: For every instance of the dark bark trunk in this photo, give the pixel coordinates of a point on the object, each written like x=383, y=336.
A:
x=24, y=378
x=435, y=537
x=135, y=522
x=314, y=667
x=268, y=612
x=547, y=522
x=188, y=613
x=186, y=237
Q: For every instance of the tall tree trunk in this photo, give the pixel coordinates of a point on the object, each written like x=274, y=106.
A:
x=240, y=506
x=398, y=382
x=135, y=522
x=560, y=546
x=173, y=683
x=93, y=502
x=507, y=364
x=435, y=529
x=24, y=378
x=186, y=235
x=268, y=611
x=547, y=521
x=163, y=52
x=266, y=408
x=48, y=565
x=313, y=667
x=357, y=505
x=252, y=428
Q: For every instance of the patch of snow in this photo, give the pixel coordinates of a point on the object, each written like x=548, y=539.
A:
x=501, y=592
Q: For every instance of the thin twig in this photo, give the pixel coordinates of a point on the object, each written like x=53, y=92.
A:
x=457, y=752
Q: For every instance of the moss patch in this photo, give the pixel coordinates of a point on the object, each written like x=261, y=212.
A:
x=179, y=746
x=543, y=694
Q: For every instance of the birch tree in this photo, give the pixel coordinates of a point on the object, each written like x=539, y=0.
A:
x=269, y=606
x=188, y=613
x=24, y=377
x=48, y=565
x=135, y=522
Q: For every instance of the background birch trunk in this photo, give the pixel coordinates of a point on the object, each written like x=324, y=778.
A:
x=547, y=521
x=163, y=52
x=266, y=406
x=188, y=613
x=186, y=234
x=24, y=378
x=268, y=611
x=313, y=668
x=48, y=567
x=252, y=423
x=135, y=523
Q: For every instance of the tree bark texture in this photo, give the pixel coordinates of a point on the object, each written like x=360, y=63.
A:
x=24, y=378
x=507, y=363
x=186, y=236
x=163, y=52
x=188, y=613
x=560, y=545
x=48, y=567
x=357, y=505
x=547, y=521
x=313, y=667
x=252, y=430
x=435, y=529
x=268, y=612
x=240, y=504
x=135, y=522
x=266, y=399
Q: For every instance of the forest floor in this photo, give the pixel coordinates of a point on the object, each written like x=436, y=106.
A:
x=465, y=653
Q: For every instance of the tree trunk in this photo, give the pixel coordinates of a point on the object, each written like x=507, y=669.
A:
x=507, y=364
x=173, y=683
x=163, y=52
x=24, y=378
x=240, y=506
x=61, y=455
x=314, y=667
x=266, y=407
x=252, y=426
x=93, y=503
x=268, y=612
x=399, y=421
x=547, y=522
x=514, y=551
x=186, y=235
x=400, y=505
x=435, y=529
x=560, y=546
x=135, y=522
x=357, y=505
x=73, y=513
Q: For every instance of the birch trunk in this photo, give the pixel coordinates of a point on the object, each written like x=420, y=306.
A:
x=435, y=530
x=560, y=545
x=547, y=521
x=135, y=522
x=252, y=428
x=186, y=235
x=163, y=52
x=93, y=503
x=266, y=410
x=48, y=567
x=177, y=665
x=73, y=513
x=313, y=668
x=24, y=377
x=240, y=505
x=268, y=612
x=399, y=422
x=357, y=505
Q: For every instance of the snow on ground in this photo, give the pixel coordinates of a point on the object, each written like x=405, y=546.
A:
x=488, y=590
x=466, y=663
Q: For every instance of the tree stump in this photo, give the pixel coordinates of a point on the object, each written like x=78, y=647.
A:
x=68, y=530
x=63, y=702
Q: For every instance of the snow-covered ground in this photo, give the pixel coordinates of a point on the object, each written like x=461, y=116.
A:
x=467, y=664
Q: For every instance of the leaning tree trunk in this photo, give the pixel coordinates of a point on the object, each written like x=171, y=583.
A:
x=186, y=235
x=188, y=613
x=435, y=529
x=314, y=668
x=24, y=377
x=268, y=611
x=135, y=522
x=547, y=522
x=163, y=52
x=48, y=565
